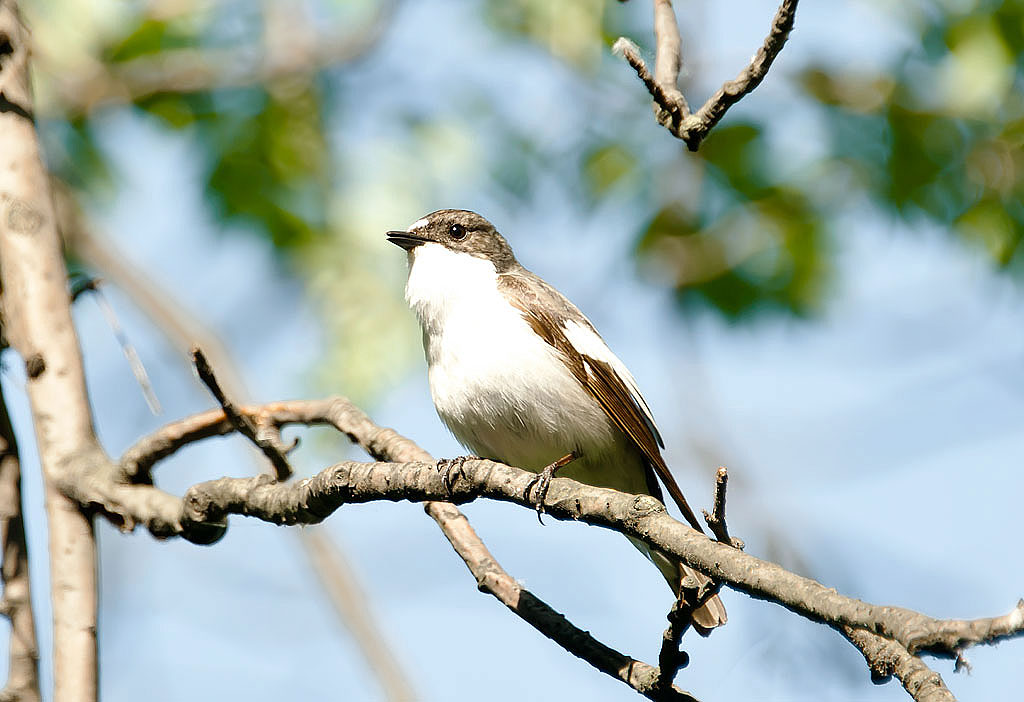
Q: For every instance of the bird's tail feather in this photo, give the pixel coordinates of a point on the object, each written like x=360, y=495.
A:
x=712, y=613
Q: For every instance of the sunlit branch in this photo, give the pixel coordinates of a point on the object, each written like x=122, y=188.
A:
x=670, y=105
x=37, y=324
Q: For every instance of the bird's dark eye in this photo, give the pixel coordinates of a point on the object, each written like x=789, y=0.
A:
x=457, y=232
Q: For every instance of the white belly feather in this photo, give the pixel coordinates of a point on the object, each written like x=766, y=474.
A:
x=503, y=391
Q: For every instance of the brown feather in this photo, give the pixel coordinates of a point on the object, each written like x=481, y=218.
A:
x=547, y=318
x=547, y=311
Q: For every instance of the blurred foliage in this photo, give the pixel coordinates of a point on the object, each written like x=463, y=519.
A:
x=151, y=36
x=939, y=138
x=569, y=29
x=270, y=167
x=267, y=154
x=934, y=139
x=749, y=242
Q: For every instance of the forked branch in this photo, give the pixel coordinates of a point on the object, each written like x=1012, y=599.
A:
x=670, y=106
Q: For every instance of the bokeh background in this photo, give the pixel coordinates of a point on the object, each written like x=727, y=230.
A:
x=826, y=299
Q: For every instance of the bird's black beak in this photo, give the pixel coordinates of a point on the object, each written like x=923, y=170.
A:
x=407, y=240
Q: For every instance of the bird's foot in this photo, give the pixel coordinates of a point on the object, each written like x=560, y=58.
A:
x=543, y=481
x=451, y=469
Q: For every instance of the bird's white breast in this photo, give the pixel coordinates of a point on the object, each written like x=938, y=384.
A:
x=502, y=390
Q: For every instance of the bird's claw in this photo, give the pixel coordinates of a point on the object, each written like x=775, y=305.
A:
x=542, y=480
x=451, y=470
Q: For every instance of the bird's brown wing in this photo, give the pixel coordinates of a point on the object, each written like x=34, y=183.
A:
x=548, y=312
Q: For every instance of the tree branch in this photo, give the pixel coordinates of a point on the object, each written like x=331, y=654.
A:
x=669, y=104
x=641, y=517
x=415, y=478
x=37, y=323
x=267, y=440
x=201, y=514
x=23, y=654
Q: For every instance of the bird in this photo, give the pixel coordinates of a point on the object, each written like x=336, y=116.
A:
x=519, y=375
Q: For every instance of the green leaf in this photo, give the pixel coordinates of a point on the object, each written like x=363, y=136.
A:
x=270, y=170
x=606, y=166
x=149, y=37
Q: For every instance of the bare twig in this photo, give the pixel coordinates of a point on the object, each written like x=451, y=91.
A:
x=127, y=348
x=37, y=323
x=269, y=442
x=23, y=654
x=671, y=657
x=886, y=658
x=716, y=520
x=750, y=77
x=137, y=462
x=670, y=105
x=693, y=593
x=692, y=596
x=494, y=580
x=662, y=102
x=668, y=60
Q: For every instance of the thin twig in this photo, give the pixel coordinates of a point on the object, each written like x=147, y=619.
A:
x=671, y=658
x=691, y=595
x=631, y=52
x=92, y=284
x=750, y=77
x=494, y=580
x=23, y=651
x=716, y=520
x=668, y=60
x=269, y=442
x=670, y=105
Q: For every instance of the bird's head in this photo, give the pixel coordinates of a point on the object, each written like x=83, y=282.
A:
x=459, y=231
